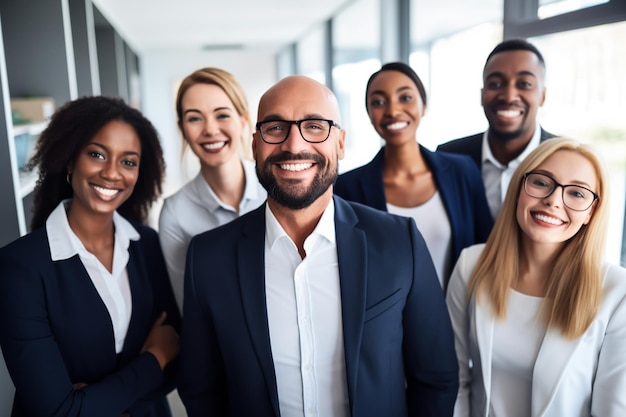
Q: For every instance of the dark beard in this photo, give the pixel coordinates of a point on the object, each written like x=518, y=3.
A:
x=506, y=136
x=285, y=196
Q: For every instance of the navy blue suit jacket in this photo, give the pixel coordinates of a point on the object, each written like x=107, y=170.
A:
x=398, y=343
x=473, y=146
x=56, y=331
x=459, y=184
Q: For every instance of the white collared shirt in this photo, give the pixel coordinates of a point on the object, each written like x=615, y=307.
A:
x=496, y=176
x=194, y=209
x=113, y=287
x=305, y=322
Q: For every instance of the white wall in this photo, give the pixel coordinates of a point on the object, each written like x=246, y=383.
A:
x=161, y=71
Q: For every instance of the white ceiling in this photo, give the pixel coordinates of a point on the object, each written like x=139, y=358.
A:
x=271, y=24
x=194, y=24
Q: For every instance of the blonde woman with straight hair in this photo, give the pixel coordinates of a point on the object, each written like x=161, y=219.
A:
x=214, y=120
x=539, y=317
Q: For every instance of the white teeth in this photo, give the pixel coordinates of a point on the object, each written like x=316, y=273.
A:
x=397, y=125
x=509, y=113
x=105, y=191
x=296, y=167
x=214, y=145
x=548, y=219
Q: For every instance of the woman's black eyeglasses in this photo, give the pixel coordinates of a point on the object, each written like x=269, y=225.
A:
x=575, y=197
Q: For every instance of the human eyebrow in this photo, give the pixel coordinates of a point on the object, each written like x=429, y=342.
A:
x=271, y=118
x=275, y=117
x=572, y=182
x=314, y=116
x=404, y=88
x=376, y=92
x=494, y=75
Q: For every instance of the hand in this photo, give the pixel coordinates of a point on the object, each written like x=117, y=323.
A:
x=162, y=342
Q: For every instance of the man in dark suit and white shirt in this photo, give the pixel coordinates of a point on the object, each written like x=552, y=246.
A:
x=311, y=305
x=513, y=90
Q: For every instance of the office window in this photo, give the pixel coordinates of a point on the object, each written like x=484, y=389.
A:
x=586, y=100
x=285, y=62
x=448, y=51
x=356, y=55
x=549, y=8
x=311, y=54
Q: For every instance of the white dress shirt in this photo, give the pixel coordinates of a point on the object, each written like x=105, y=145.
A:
x=496, y=176
x=113, y=287
x=194, y=209
x=305, y=322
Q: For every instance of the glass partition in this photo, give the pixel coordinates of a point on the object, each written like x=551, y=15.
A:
x=356, y=55
x=448, y=51
x=549, y=8
x=586, y=100
x=311, y=54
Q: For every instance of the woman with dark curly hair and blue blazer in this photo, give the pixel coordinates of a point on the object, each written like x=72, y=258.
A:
x=443, y=192
x=88, y=321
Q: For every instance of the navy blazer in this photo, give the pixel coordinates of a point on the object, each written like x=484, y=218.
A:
x=460, y=186
x=56, y=331
x=473, y=146
x=399, y=347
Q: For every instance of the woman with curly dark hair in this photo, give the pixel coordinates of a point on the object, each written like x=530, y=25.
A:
x=69, y=130
x=88, y=321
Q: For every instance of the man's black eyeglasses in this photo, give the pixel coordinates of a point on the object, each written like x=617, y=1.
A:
x=311, y=130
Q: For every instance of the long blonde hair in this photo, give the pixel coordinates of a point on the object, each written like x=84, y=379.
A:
x=574, y=287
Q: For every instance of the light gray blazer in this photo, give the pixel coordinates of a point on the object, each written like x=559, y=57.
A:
x=581, y=377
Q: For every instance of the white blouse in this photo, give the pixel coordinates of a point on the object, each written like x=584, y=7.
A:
x=516, y=343
x=113, y=287
x=433, y=223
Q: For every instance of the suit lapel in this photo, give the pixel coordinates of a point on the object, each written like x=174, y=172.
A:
x=483, y=326
x=86, y=320
x=447, y=190
x=251, y=261
x=351, y=254
x=552, y=360
x=141, y=296
x=371, y=183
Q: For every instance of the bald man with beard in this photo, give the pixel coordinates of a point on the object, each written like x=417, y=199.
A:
x=312, y=305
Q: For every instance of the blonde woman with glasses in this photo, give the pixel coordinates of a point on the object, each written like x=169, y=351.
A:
x=539, y=317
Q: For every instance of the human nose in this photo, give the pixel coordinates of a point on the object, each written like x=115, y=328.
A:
x=210, y=127
x=294, y=141
x=555, y=198
x=392, y=107
x=509, y=93
x=110, y=171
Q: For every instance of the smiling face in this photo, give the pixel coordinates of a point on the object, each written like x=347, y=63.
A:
x=211, y=125
x=547, y=220
x=394, y=106
x=106, y=169
x=296, y=173
x=513, y=90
